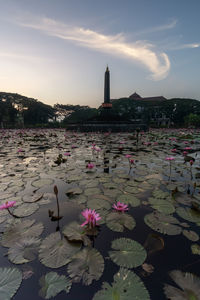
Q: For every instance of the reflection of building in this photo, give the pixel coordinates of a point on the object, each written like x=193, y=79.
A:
x=107, y=103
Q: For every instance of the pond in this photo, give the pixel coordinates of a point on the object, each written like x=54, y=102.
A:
x=99, y=216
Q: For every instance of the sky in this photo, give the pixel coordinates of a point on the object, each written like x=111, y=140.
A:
x=57, y=51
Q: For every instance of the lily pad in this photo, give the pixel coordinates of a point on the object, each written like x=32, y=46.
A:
x=118, y=221
x=127, y=253
x=98, y=204
x=86, y=265
x=10, y=281
x=19, y=231
x=126, y=286
x=24, y=250
x=191, y=235
x=74, y=232
x=162, y=205
x=92, y=191
x=195, y=249
x=55, y=251
x=42, y=182
x=52, y=284
x=26, y=209
x=162, y=223
x=129, y=199
x=188, y=214
x=189, y=286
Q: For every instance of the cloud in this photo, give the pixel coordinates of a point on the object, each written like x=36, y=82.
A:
x=167, y=26
x=157, y=63
x=185, y=46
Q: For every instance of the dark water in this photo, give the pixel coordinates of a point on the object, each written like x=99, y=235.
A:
x=176, y=254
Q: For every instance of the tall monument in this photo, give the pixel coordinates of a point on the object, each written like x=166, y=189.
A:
x=107, y=103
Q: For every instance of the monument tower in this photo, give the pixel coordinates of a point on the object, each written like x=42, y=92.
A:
x=107, y=103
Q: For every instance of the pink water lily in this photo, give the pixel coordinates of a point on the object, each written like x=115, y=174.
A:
x=91, y=217
x=174, y=150
x=120, y=207
x=7, y=204
x=170, y=158
x=67, y=154
x=127, y=155
x=131, y=161
x=90, y=166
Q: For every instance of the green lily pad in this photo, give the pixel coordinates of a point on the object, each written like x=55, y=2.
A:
x=126, y=286
x=74, y=232
x=19, y=231
x=117, y=221
x=129, y=199
x=10, y=281
x=189, y=286
x=191, y=235
x=26, y=209
x=74, y=191
x=195, y=249
x=162, y=223
x=86, y=265
x=98, y=204
x=52, y=284
x=127, y=253
x=131, y=189
x=162, y=205
x=92, y=191
x=24, y=250
x=42, y=182
x=188, y=214
x=55, y=251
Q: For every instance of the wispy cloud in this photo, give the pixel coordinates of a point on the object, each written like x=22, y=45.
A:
x=184, y=46
x=163, y=27
x=157, y=63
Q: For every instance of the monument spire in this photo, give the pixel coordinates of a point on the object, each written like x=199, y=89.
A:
x=107, y=103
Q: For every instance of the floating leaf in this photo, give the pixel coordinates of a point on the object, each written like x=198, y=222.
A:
x=98, y=204
x=52, y=284
x=19, y=231
x=74, y=191
x=129, y=199
x=56, y=252
x=195, y=249
x=126, y=286
x=32, y=198
x=74, y=232
x=26, y=209
x=42, y=182
x=24, y=250
x=162, y=205
x=191, y=235
x=162, y=223
x=10, y=281
x=117, y=221
x=127, y=253
x=188, y=214
x=189, y=286
x=154, y=243
x=92, y=191
x=86, y=265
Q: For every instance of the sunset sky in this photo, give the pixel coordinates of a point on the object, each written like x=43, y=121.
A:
x=57, y=50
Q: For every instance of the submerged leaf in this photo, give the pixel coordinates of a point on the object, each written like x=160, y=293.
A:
x=86, y=265
x=195, y=249
x=127, y=253
x=10, y=281
x=126, y=286
x=56, y=252
x=52, y=284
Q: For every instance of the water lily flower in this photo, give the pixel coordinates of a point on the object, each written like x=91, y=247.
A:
x=174, y=150
x=191, y=162
x=170, y=158
x=67, y=154
x=120, y=207
x=131, y=161
x=188, y=148
x=185, y=152
x=90, y=166
x=7, y=204
x=20, y=150
x=128, y=156
x=91, y=217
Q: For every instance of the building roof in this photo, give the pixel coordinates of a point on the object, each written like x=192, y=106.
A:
x=135, y=96
x=157, y=98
